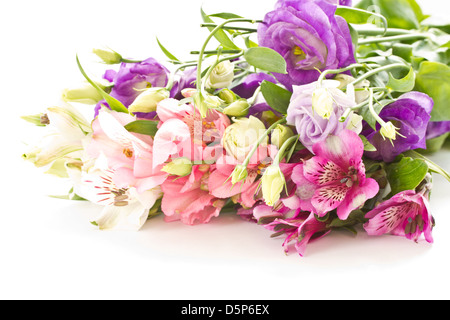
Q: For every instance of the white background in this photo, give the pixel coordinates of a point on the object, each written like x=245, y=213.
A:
x=48, y=248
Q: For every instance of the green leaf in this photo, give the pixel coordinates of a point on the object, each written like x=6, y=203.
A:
x=220, y=35
x=367, y=145
x=225, y=15
x=276, y=97
x=405, y=84
x=431, y=165
x=166, y=52
x=113, y=103
x=433, y=78
x=249, y=43
x=360, y=16
x=146, y=127
x=406, y=174
x=435, y=144
x=404, y=14
x=266, y=59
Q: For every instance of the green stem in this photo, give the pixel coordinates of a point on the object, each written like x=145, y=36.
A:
x=372, y=110
x=203, y=49
x=378, y=70
x=217, y=51
x=261, y=139
x=130, y=61
x=382, y=31
x=402, y=37
x=334, y=71
x=213, y=25
x=280, y=154
x=358, y=106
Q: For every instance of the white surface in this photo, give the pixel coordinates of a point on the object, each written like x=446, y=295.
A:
x=48, y=248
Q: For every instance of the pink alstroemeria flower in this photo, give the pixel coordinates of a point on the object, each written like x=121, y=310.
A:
x=406, y=214
x=130, y=155
x=335, y=177
x=184, y=133
x=188, y=199
x=243, y=192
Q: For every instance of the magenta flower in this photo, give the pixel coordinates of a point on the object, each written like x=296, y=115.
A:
x=335, y=177
x=302, y=228
x=405, y=214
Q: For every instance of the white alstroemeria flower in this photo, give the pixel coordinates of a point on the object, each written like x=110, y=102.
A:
x=123, y=208
x=65, y=129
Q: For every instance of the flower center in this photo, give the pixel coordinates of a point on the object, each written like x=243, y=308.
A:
x=351, y=177
x=298, y=53
x=128, y=153
x=120, y=197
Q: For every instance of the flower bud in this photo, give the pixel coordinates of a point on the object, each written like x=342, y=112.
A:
x=227, y=95
x=86, y=94
x=280, y=134
x=148, y=100
x=178, y=167
x=238, y=108
x=322, y=103
x=240, y=173
x=108, y=56
x=222, y=76
x=272, y=184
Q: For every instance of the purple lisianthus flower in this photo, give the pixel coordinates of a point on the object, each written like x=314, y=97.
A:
x=247, y=88
x=311, y=127
x=411, y=115
x=131, y=78
x=185, y=79
x=339, y=2
x=309, y=36
x=437, y=129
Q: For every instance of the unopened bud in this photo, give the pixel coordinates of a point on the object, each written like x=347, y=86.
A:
x=86, y=94
x=178, y=167
x=108, y=56
x=237, y=109
x=280, y=134
x=222, y=76
x=272, y=184
x=240, y=173
x=227, y=96
x=148, y=100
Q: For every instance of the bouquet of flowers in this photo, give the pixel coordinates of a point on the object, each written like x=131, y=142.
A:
x=315, y=118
